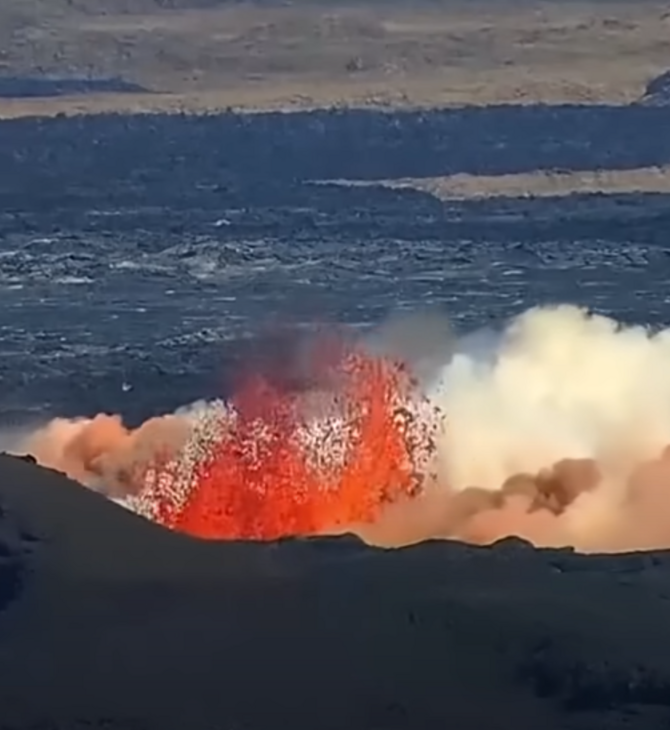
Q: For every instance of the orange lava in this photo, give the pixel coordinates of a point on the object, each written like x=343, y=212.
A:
x=262, y=482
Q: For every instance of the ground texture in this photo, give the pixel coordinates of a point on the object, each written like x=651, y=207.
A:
x=208, y=56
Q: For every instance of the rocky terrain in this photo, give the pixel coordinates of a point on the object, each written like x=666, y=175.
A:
x=657, y=92
x=243, y=207
x=111, y=622
x=206, y=56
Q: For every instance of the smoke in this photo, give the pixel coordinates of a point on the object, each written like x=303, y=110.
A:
x=554, y=428
x=104, y=454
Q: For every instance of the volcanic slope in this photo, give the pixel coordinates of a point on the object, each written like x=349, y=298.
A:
x=110, y=621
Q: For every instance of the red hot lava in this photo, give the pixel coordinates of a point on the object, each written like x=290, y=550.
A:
x=273, y=471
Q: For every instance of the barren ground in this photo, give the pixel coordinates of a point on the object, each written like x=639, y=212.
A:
x=310, y=54
x=148, y=630
x=538, y=183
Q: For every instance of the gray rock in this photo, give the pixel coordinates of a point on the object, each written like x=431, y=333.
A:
x=657, y=92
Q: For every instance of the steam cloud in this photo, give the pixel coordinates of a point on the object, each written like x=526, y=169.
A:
x=555, y=429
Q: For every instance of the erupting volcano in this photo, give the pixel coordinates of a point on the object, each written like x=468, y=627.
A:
x=274, y=465
x=554, y=428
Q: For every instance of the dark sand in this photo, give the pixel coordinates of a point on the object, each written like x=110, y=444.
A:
x=108, y=621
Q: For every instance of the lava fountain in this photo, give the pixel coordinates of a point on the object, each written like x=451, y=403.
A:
x=274, y=463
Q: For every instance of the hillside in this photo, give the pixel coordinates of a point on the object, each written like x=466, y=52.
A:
x=109, y=622
x=209, y=55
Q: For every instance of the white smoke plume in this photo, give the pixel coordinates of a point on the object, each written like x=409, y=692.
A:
x=555, y=428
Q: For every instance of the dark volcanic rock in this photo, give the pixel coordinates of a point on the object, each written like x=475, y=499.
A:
x=657, y=92
x=41, y=86
x=223, y=154
x=11, y=564
x=120, y=624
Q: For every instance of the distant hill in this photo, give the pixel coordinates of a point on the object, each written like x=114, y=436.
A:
x=213, y=54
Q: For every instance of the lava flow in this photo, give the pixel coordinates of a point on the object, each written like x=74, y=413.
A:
x=267, y=467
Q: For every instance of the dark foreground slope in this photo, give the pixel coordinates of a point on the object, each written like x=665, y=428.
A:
x=111, y=622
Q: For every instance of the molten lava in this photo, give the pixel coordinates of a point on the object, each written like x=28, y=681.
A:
x=275, y=470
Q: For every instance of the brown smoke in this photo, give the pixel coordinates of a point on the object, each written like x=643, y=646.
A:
x=104, y=454
x=568, y=504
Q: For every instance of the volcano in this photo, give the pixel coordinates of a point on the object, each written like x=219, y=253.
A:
x=109, y=620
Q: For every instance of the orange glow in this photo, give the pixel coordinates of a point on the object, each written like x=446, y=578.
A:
x=262, y=480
